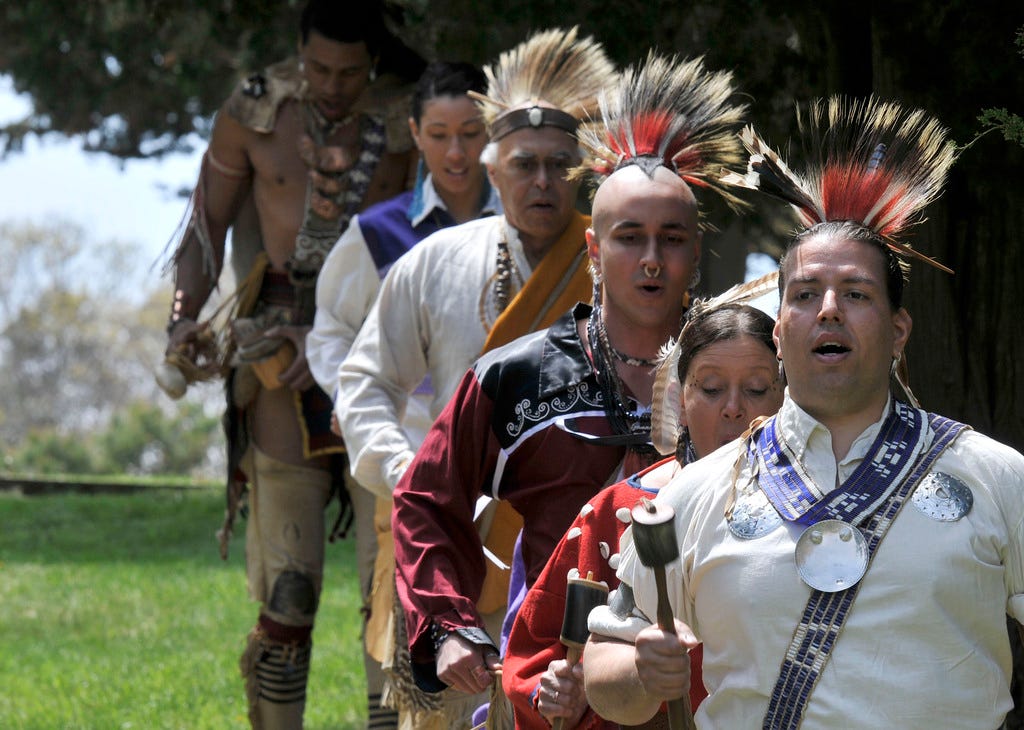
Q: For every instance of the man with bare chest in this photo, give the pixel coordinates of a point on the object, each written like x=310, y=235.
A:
x=295, y=152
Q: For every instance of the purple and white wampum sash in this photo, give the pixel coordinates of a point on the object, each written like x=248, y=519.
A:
x=826, y=612
x=797, y=498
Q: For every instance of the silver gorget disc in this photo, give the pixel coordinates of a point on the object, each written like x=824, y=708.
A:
x=753, y=516
x=943, y=497
x=831, y=555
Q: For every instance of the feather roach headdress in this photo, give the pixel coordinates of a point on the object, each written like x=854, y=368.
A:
x=872, y=162
x=551, y=79
x=667, y=394
x=672, y=113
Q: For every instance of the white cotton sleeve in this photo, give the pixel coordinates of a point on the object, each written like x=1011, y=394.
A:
x=1009, y=469
x=386, y=363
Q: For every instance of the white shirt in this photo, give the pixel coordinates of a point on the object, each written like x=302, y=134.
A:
x=426, y=321
x=925, y=644
x=345, y=291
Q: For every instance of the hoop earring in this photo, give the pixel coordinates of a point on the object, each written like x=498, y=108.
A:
x=782, y=372
x=895, y=364
x=695, y=279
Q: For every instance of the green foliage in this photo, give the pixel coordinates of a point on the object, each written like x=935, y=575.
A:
x=149, y=73
x=118, y=613
x=1011, y=125
x=77, y=393
x=146, y=73
x=48, y=452
x=141, y=439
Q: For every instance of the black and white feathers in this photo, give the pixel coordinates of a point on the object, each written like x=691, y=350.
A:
x=669, y=112
x=869, y=161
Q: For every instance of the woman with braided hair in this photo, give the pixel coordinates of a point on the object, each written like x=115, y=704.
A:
x=725, y=362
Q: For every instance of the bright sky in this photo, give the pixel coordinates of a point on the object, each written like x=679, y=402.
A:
x=133, y=202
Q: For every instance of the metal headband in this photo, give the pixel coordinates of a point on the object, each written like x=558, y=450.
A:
x=535, y=117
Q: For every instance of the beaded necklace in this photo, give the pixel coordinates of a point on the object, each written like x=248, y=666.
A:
x=623, y=419
x=317, y=235
x=637, y=362
x=501, y=285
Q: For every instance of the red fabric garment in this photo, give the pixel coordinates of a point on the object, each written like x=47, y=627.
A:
x=534, y=642
x=499, y=435
x=438, y=553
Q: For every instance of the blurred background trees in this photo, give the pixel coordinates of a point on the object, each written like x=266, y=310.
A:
x=77, y=346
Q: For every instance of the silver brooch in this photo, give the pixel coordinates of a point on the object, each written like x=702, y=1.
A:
x=943, y=497
x=753, y=516
x=831, y=555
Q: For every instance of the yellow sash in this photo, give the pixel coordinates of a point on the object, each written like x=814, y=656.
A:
x=559, y=281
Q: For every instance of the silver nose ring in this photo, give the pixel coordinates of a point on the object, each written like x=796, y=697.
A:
x=649, y=273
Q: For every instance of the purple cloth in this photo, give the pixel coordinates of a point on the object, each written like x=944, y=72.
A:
x=389, y=233
x=516, y=591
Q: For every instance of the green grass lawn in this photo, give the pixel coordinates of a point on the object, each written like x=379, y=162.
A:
x=117, y=612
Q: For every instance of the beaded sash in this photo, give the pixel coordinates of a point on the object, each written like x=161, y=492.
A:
x=823, y=617
x=796, y=497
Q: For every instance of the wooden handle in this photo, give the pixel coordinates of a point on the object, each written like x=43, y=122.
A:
x=680, y=714
x=572, y=656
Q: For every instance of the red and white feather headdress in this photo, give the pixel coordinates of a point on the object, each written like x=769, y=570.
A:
x=672, y=113
x=871, y=162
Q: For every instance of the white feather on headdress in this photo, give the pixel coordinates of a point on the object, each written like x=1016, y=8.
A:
x=554, y=66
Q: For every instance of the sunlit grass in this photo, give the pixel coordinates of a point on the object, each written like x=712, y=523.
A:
x=117, y=612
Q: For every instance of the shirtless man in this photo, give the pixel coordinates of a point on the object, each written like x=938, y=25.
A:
x=295, y=152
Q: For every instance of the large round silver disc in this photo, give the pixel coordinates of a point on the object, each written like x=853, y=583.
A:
x=831, y=555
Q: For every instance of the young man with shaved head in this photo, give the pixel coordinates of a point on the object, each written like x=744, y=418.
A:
x=546, y=421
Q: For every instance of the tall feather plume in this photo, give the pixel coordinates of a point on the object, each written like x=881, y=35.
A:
x=555, y=66
x=674, y=113
x=667, y=393
x=873, y=162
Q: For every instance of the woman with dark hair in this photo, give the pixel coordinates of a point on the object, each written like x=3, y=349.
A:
x=451, y=188
x=729, y=376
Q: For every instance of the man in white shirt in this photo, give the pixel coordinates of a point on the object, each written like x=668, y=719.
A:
x=476, y=286
x=805, y=613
